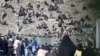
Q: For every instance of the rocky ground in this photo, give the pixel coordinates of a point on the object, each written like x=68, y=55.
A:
x=12, y=20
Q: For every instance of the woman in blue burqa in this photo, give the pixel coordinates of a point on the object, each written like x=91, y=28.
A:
x=66, y=48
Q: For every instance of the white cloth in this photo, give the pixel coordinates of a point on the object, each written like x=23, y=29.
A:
x=10, y=39
x=41, y=52
x=51, y=20
x=2, y=13
x=33, y=49
x=16, y=42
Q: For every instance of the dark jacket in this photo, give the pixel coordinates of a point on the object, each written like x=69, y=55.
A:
x=66, y=47
x=5, y=46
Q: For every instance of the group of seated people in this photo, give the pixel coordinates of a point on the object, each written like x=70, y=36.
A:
x=42, y=26
x=24, y=12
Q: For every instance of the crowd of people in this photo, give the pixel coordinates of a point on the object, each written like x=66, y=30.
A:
x=60, y=24
x=31, y=14
x=24, y=47
x=20, y=47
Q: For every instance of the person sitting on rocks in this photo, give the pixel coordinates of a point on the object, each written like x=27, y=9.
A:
x=30, y=6
x=87, y=17
x=37, y=14
x=56, y=7
x=30, y=20
x=4, y=23
x=72, y=5
x=75, y=11
x=33, y=13
x=82, y=19
x=25, y=21
x=45, y=2
x=4, y=14
x=85, y=8
x=44, y=25
x=29, y=15
x=6, y=6
x=38, y=5
x=51, y=8
x=45, y=16
x=22, y=12
x=38, y=27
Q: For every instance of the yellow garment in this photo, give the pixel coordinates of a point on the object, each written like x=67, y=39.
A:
x=78, y=53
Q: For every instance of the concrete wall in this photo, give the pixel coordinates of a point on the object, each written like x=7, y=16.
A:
x=98, y=33
x=52, y=40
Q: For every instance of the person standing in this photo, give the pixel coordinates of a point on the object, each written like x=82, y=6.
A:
x=34, y=45
x=18, y=27
x=78, y=51
x=66, y=48
x=17, y=46
x=5, y=45
x=10, y=46
x=26, y=46
x=22, y=48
